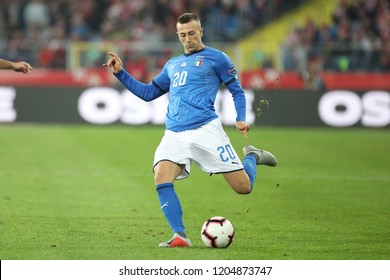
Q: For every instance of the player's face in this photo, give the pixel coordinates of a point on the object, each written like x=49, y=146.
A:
x=190, y=35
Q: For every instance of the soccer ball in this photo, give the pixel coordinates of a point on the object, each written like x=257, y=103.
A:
x=217, y=232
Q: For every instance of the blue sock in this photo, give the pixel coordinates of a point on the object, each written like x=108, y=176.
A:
x=171, y=207
x=249, y=164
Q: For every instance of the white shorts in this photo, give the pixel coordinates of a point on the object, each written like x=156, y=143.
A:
x=207, y=146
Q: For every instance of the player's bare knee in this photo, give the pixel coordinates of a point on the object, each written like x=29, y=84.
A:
x=246, y=191
x=243, y=188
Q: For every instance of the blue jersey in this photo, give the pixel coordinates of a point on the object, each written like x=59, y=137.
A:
x=193, y=81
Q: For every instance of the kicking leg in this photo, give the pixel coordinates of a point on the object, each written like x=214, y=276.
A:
x=243, y=181
x=239, y=181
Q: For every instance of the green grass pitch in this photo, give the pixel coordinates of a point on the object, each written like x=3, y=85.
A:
x=86, y=192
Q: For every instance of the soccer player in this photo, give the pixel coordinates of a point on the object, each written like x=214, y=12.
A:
x=21, y=66
x=194, y=133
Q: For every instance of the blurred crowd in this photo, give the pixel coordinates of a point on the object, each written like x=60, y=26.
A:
x=39, y=30
x=358, y=39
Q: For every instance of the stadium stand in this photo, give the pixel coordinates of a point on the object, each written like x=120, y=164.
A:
x=40, y=31
x=356, y=39
x=264, y=44
x=290, y=35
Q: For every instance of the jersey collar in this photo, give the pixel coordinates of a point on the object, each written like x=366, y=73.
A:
x=198, y=51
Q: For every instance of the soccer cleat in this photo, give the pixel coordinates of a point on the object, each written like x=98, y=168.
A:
x=176, y=241
x=262, y=157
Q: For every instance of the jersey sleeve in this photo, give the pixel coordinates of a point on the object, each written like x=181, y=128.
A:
x=146, y=92
x=162, y=80
x=225, y=69
x=229, y=78
x=239, y=99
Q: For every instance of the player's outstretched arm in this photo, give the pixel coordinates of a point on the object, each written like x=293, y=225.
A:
x=115, y=63
x=146, y=92
x=21, y=66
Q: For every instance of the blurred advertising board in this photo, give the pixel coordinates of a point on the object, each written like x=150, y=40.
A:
x=104, y=105
x=253, y=79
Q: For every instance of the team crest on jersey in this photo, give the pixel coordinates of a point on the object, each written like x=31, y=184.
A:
x=198, y=63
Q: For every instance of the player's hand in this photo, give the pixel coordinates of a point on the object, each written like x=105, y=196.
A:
x=243, y=128
x=22, y=66
x=115, y=63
